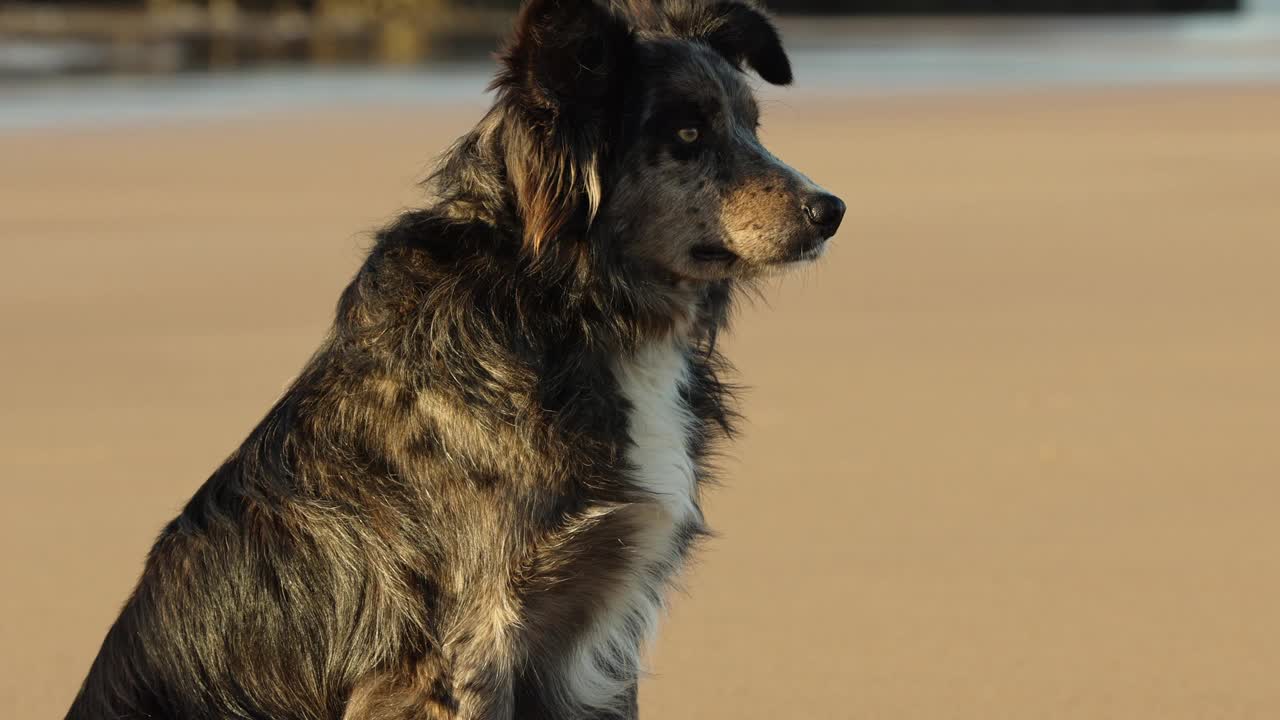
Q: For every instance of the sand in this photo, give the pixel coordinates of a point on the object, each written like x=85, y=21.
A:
x=1013, y=449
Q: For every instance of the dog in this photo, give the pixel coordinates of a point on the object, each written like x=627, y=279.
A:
x=470, y=502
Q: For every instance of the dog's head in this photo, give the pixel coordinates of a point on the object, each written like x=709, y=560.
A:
x=637, y=121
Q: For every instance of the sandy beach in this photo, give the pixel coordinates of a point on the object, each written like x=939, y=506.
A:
x=1012, y=451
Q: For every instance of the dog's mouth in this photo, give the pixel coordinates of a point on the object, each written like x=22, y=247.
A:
x=807, y=252
x=718, y=254
x=812, y=252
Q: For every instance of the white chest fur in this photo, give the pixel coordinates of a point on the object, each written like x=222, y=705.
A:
x=659, y=423
x=652, y=380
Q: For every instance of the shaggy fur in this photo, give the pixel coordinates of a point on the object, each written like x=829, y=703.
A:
x=470, y=502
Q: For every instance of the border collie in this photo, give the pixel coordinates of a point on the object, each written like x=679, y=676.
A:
x=471, y=501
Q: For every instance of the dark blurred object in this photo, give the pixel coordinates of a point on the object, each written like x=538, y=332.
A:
x=66, y=36
x=50, y=37
x=952, y=7
x=1001, y=7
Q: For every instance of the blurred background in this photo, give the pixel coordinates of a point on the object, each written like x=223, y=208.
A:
x=1013, y=448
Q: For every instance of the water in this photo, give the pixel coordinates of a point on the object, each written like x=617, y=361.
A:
x=831, y=58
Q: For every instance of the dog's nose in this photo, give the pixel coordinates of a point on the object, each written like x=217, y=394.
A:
x=825, y=211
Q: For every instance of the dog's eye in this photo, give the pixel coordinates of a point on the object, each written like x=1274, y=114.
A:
x=687, y=135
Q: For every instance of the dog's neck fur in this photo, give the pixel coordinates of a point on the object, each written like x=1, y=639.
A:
x=472, y=188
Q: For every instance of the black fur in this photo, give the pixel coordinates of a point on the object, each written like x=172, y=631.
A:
x=743, y=33
x=428, y=517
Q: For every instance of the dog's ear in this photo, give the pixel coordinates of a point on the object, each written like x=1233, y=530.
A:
x=743, y=33
x=563, y=53
x=561, y=74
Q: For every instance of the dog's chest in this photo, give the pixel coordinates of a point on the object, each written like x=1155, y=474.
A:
x=653, y=381
x=662, y=470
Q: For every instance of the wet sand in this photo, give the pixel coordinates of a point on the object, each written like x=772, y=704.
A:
x=1013, y=449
